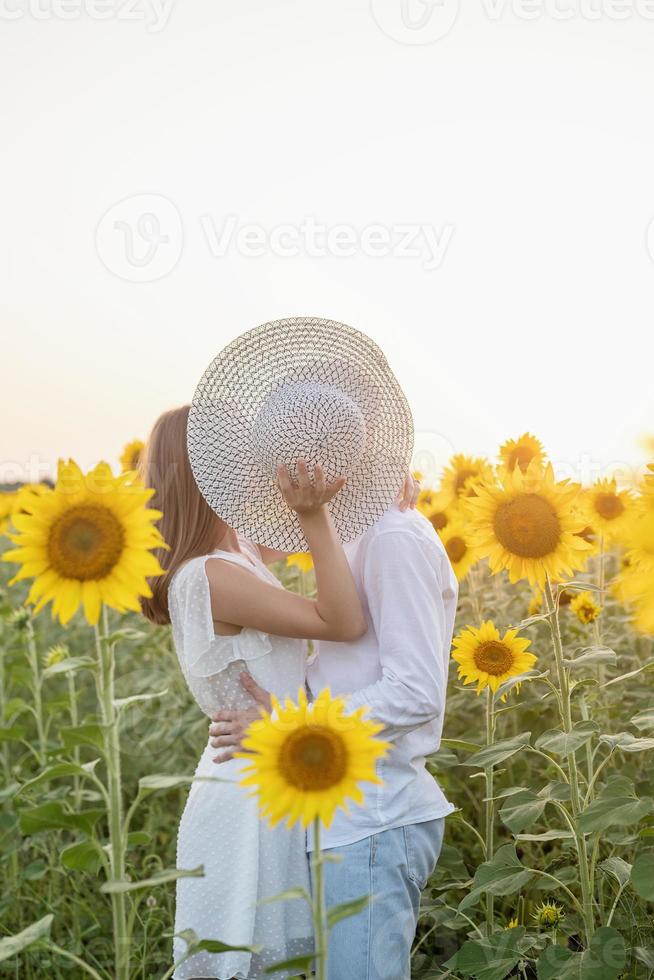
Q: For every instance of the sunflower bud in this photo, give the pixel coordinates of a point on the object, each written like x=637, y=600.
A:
x=55, y=655
x=19, y=619
x=549, y=915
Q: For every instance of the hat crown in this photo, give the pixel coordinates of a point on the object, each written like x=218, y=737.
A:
x=312, y=421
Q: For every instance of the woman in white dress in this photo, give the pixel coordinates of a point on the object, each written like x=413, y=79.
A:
x=229, y=614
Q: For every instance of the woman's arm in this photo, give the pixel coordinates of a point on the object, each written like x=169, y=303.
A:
x=269, y=556
x=239, y=598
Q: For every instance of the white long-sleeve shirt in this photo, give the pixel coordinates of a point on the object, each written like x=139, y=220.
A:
x=399, y=669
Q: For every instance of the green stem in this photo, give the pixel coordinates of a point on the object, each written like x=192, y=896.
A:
x=585, y=879
x=33, y=659
x=74, y=720
x=318, y=904
x=597, y=625
x=566, y=816
x=590, y=774
x=75, y=959
x=3, y=701
x=550, y=760
x=615, y=903
x=595, y=853
x=117, y=840
x=596, y=774
x=490, y=803
x=601, y=570
x=473, y=830
x=575, y=901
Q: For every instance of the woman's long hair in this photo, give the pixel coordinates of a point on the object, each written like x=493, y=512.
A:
x=189, y=526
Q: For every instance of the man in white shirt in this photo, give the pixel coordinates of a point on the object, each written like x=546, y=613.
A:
x=391, y=843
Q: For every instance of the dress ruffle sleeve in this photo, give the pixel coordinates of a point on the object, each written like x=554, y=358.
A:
x=202, y=652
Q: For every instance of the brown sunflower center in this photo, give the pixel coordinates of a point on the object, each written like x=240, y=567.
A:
x=438, y=520
x=609, y=506
x=86, y=542
x=586, y=612
x=527, y=526
x=456, y=548
x=313, y=758
x=493, y=657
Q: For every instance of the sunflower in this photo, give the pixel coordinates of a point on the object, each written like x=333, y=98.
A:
x=131, y=455
x=463, y=473
x=548, y=915
x=16, y=502
x=309, y=758
x=643, y=619
x=535, y=602
x=437, y=507
x=527, y=525
x=426, y=500
x=301, y=560
x=460, y=550
x=7, y=506
x=636, y=586
x=638, y=532
x=87, y=541
x=520, y=452
x=607, y=508
x=489, y=660
x=585, y=607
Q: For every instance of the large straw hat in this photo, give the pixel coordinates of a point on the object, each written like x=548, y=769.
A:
x=291, y=389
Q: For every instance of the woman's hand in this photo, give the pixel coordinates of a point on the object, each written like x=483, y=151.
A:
x=228, y=728
x=306, y=497
x=408, y=495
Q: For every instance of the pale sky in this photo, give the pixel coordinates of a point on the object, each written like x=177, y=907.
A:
x=281, y=158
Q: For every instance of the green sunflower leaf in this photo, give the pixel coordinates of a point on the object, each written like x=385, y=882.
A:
x=502, y=875
x=491, y=755
x=642, y=876
x=12, y=945
x=562, y=743
x=644, y=720
x=521, y=810
x=604, y=960
x=616, y=806
x=491, y=958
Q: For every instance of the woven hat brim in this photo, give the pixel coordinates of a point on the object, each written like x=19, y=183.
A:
x=240, y=380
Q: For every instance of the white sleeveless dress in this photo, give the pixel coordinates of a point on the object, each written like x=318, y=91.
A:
x=245, y=860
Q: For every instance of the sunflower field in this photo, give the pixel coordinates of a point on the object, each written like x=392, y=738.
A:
x=547, y=870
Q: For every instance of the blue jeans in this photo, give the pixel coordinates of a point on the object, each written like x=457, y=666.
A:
x=392, y=867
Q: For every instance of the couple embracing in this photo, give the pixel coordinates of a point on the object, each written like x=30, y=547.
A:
x=299, y=438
